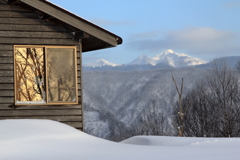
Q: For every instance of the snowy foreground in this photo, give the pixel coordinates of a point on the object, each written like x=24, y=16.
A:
x=49, y=140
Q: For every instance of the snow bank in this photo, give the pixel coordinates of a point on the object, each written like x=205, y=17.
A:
x=45, y=139
x=171, y=141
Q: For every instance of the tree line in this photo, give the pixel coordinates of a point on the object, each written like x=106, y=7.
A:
x=212, y=108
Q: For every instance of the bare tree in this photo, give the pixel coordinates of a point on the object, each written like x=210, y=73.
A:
x=201, y=117
x=152, y=121
x=215, y=104
x=180, y=108
x=238, y=66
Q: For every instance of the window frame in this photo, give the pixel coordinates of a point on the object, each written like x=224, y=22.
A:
x=45, y=47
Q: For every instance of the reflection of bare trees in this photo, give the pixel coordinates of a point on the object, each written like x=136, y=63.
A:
x=29, y=74
x=62, y=86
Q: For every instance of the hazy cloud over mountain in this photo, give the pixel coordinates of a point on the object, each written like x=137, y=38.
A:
x=194, y=40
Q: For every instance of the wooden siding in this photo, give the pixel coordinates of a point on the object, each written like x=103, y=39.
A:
x=21, y=27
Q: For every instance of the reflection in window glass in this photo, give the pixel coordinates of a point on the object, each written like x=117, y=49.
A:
x=61, y=75
x=29, y=63
x=45, y=75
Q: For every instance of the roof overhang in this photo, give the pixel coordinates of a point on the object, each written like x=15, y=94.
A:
x=98, y=38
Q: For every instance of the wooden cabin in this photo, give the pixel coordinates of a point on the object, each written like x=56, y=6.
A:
x=41, y=46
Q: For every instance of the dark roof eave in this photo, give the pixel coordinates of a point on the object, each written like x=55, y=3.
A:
x=119, y=39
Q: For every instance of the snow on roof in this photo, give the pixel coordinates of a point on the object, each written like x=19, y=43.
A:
x=46, y=139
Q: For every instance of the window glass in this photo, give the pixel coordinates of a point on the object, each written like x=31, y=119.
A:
x=29, y=63
x=61, y=75
x=45, y=75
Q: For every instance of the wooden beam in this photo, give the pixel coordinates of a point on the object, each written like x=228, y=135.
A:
x=34, y=28
x=6, y=73
x=6, y=66
x=6, y=80
x=6, y=99
x=5, y=53
x=11, y=1
x=22, y=21
x=8, y=106
x=52, y=112
x=6, y=60
x=6, y=86
x=55, y=118
x=15, y=34
x=7, y=93
x=4, y=47
x=37, y=41
x=73, y=21
x=7, y=7
x=15, y=14
x=80, y=35
x=74, y=124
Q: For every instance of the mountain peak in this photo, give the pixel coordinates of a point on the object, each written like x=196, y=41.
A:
x=177, y=59
x=142, y=56
x=142, y=60
x=169, y=51
x=101, y=60
x=101, y=63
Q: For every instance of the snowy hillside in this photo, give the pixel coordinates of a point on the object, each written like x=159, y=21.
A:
x=115, y=99
x=45, y=139
x=231, y=61
x=101, y=63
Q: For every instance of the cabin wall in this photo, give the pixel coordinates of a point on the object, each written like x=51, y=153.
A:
x=21, y=27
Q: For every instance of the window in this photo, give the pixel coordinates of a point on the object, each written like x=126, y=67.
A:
x=45, y=75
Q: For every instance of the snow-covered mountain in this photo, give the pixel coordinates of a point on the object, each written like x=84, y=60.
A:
x=167, y=58
x=143, y=60
x=177, y=59
x=101, y=63
x=170, y=58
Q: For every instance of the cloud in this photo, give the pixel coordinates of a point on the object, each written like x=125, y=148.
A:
x=104, y=22
x=150, y=34
x=230, y=5
x=196, y=41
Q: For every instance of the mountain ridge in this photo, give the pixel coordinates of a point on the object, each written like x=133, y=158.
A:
x=100, y=63
x=168, y=57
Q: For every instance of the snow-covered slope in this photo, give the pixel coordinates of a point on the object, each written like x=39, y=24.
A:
x=49, y=140
x=114, y=100
x=177, y=59
x=231, y=61
x=100, y=63
x=143, y=60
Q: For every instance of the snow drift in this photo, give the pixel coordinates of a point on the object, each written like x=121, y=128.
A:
x=45, y=139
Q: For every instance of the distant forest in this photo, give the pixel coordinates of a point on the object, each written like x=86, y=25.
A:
x=191, y=101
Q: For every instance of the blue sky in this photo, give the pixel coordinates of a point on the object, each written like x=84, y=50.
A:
x=205, y=29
